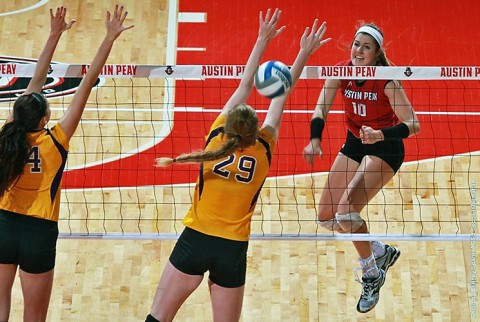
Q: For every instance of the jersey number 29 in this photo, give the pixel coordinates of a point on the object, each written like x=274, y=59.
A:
x=246, y=166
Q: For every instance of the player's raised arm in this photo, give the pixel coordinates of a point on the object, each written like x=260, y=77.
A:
x=266, y=32
x=57, y=27
x=310, y=42
x=114, y=24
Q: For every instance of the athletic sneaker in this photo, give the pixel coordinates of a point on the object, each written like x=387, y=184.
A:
x=389, y=258
x=370, y=292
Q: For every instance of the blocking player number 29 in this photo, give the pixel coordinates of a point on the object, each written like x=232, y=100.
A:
x=246, y=166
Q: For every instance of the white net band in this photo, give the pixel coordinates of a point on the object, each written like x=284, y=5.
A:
x=235, y=71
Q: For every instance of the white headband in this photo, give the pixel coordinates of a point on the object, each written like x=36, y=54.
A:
x=372, y=32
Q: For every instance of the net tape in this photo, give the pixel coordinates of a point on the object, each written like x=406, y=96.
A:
x=235, y=71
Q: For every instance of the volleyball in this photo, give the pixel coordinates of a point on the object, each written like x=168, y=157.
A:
x=273, y=78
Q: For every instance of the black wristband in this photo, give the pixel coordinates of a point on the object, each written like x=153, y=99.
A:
x=399, y=131
x=316, y=128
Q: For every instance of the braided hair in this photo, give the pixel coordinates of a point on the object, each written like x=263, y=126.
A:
x=241, y=130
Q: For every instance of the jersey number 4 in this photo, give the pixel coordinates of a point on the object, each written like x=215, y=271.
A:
x=246, y=166
x=35, y=160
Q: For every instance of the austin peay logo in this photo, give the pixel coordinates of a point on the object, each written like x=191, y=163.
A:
x=408, y=72
x=169, y=70
x=13, y=87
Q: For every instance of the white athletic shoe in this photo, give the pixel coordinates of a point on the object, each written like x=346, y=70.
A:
x=370, y=292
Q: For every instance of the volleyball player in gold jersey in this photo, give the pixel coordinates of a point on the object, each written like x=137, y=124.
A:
x=234, y=166
x=32, y=159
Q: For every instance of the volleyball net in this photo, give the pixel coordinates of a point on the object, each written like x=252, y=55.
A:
x=137, y=113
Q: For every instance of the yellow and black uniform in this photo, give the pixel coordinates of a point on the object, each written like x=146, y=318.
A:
x=37, y=191
x=29, y=209
x=227, y=189
x=218, y=223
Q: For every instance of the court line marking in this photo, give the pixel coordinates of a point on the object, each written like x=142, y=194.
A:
x=197, y=17
x=191, y=49
x=172, y=30
x=287, y=111
x=35, y=6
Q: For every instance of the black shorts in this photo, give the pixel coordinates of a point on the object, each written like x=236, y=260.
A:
x=225, y=259
x=391, y=151
x=28, y=242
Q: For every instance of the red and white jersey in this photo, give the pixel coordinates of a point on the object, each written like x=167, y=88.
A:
x=366, y=104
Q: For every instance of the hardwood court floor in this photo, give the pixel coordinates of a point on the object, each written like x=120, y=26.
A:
x=99, y=280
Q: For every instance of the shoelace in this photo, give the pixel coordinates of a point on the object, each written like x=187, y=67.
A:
x=357, y=279
x=366, y=287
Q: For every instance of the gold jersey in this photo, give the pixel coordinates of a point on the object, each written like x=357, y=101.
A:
x=37, y=191
x=227, y=189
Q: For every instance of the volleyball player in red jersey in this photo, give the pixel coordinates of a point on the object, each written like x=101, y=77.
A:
x=234, y=166
x=32, y=160
x=378, y=116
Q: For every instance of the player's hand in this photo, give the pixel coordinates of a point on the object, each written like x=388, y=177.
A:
x=312, y=150
x=57, y=21
x=312, y=38
x=369, y=135
x=114, y=22
x=267, y=29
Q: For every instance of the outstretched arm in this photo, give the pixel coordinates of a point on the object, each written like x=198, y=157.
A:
x=57, y=27
x=114, y=24
x=266, y=32
x=311, y=41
